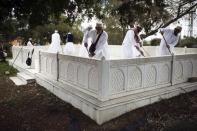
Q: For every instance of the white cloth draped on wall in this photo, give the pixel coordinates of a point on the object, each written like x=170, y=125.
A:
x=83, y=51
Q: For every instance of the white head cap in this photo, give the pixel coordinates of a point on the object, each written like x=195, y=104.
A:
x=56, y=31
x=99, y=24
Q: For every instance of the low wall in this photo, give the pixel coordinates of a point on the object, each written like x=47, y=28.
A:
x=150, y=51
x=105, y=89
x=20, y=55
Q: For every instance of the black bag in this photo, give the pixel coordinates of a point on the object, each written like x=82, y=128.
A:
x=93, y=46
x=29, y=59
x=92, y=49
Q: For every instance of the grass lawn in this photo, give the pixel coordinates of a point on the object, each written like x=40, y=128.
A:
x=5, y=67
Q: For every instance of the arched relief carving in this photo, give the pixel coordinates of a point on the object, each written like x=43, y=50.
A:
x=194, y=63
x=117, y=82
x=81, y=75
x=53, y=66
x=42, y=63
x=61, y=69
x=134, y=77
x=24, y=56
x=70, y=72
x=45, y=64
x=178, y=70
x=49, y=65
x=164, y=73
x=151, y=75
x=93, y=79
x=64, y=69
x=189, y=69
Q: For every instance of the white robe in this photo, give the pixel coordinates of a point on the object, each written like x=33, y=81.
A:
x=83, y=51
x=29, y=43
x=102, y=45
x=55, y=44
x=69, y=48
x=128, y=45
x=171, y=39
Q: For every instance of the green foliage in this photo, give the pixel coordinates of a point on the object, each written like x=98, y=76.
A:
x=5, y=9
x=5, y=67
x=27, y=17
x=40, y=17
x=188, y=41
x=146, y=43
x=155, y=42
x=114, y=30
x=42, y=34
x=8, y=48
x=147, y=13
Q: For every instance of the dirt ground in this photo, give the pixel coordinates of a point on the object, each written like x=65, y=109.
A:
x=33, y=108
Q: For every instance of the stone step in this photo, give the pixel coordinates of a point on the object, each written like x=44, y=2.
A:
x=17, y=81
x=30, y=72
x=25, y=77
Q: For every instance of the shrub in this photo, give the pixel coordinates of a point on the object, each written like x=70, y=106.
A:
x=188, y=41
x=155, y=42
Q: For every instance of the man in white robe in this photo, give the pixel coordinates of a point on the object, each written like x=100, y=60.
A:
x=85, y=43
x=99, y=43
x=131, y=43
x=69, y=48
x=169, y=40
x=29, y=42
x=55, y=46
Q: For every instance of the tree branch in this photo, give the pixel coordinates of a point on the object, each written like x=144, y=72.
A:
x=171, y=21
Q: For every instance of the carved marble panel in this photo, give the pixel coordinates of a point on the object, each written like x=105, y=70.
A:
x=71, y=72
x=117, y=80
x=54, y=66
x=43, y=64
x=62, y=69
x=164, y=73
x=188, y=70
x=150, y=75
x=178, y=70
x=81, y=75
x=134, y=77
x=194, y=61
x=93, y=79
x=48, y=66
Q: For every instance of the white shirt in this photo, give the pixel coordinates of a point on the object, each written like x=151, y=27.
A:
x=102, y=44
x=128, y=45
x=29, y=43
x=86, y=39
x=171, y=40
x=55, y=43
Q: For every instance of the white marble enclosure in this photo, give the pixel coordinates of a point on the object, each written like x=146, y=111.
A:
x=105, y=89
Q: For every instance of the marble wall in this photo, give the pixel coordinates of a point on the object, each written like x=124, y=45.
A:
x=105, y=89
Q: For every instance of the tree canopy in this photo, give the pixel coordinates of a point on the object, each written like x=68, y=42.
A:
x=151, y=14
